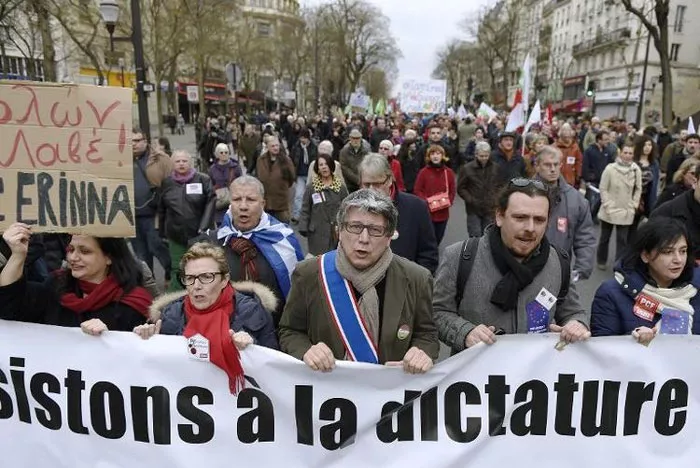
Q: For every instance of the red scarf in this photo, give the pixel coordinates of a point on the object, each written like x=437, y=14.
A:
x=214, y=324
x=98, y=295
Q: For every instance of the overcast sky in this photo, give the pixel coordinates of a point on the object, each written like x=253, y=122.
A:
x=421, y=27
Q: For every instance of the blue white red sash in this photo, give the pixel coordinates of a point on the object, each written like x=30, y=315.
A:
x=345, y=311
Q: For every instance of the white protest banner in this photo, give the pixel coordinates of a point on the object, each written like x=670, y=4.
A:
x=66, y=163
x=423, y=96
x=359, y=100
x=72, y=400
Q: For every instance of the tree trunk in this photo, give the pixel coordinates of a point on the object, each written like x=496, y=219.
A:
x=200, y=84
x=47, y=42
x=159, y=107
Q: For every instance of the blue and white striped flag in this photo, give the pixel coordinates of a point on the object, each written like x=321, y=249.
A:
x=275, y=240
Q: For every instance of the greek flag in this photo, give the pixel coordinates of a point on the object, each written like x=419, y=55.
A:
x=275, y=240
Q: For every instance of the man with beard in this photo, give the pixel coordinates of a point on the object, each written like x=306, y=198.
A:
x=511, y=163
x=692, y=145
x=379, y=133
x=523, y=282
x=570, y=225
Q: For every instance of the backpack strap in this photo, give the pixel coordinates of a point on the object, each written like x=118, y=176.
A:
x=565, y=264
x=466, y=263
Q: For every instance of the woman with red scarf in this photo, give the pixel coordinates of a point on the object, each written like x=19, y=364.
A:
x=436, y=179
x=214, y=313
x=99, y=291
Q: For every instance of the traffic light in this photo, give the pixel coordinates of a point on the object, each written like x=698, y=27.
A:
x=590, y=91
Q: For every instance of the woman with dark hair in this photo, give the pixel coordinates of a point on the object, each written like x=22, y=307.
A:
x=436, y=185
x=646, y=155
x=320, y=205
x=655, y=289
x=99, y=291
x=162, y=145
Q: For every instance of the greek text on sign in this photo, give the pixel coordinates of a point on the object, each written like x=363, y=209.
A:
x=423, y=96
x=118, y=400
x=66, y=158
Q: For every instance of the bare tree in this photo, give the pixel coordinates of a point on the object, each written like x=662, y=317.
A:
x=630, y=68
x=658, y=29
x=7, y=9
x=163, y=46
x=43, y=23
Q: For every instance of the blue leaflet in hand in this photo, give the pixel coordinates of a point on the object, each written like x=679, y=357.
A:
x=537, y=318
x=674, y=322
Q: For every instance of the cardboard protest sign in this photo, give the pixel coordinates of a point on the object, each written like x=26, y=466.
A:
x=66, y=159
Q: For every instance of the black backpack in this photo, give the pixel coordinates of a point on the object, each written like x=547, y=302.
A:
x=466, y=263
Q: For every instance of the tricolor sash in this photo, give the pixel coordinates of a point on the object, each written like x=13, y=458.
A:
x=345, y=311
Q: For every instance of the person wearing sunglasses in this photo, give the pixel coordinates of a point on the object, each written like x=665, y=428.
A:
x=361, y=302
x=517, y=280
x=223, y=312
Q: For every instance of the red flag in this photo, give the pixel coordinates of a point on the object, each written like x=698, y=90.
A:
x=518, y=98
x=548, y=115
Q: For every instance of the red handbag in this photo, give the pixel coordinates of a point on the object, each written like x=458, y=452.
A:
x=441, y=200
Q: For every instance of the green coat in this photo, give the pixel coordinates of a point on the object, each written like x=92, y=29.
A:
x=306, y=319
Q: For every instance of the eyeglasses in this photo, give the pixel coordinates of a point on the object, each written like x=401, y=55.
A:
x=204, y=278
x=372, y=229
x=223, y=152
x=137, y=140
x=376, y=184
x=523, y=182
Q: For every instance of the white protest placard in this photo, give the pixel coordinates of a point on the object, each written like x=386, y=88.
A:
x=423, y=96
x=78, y=401
x=66, y=159
x=192, y=93
x=359, y=100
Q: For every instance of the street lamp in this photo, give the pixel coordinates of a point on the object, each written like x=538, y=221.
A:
x=109, y=9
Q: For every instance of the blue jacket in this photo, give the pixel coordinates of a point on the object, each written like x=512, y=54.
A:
x=594, y=162
x=612, y=310
x=253, y=306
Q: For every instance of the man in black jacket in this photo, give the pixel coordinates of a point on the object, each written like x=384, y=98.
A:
x=379, y=133
x=685, y=208
x=414, y=238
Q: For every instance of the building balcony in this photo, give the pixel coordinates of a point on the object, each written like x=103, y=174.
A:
x=612, y=38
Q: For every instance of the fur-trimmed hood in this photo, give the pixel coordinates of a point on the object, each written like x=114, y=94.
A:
x=267, y=298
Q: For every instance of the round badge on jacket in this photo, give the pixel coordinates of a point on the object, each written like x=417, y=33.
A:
x=403, y=332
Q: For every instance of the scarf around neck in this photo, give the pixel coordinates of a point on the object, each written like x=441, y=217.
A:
x=214, y=324
x=319, y=186
x=516, y=275
x=98, y=295
x=365, y=281
x=184, y=178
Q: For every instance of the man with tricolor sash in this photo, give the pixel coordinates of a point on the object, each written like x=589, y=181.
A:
x=361, y=302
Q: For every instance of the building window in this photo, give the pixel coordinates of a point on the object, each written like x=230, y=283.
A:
x=680, y=16
x=264, y=29
x=675, y=48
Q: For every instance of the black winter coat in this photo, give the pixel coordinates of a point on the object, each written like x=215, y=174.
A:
x=183, y=215
x=685, y=209
x=26, y=301
x=416, y=241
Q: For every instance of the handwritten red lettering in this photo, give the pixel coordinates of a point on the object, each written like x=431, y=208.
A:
x=7, y=113
x=101, y=118
x=66, y=118
x=33, y=105
x=19, y=138
x=92, y=149
x=122, y=138
x=74, y=146
x=53, y=154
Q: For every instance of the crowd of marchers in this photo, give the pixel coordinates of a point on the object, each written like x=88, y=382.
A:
x=373, y=199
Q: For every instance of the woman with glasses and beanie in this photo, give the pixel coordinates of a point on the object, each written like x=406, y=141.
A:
x=655, y=288
x=436, y=185
x=224, y=313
